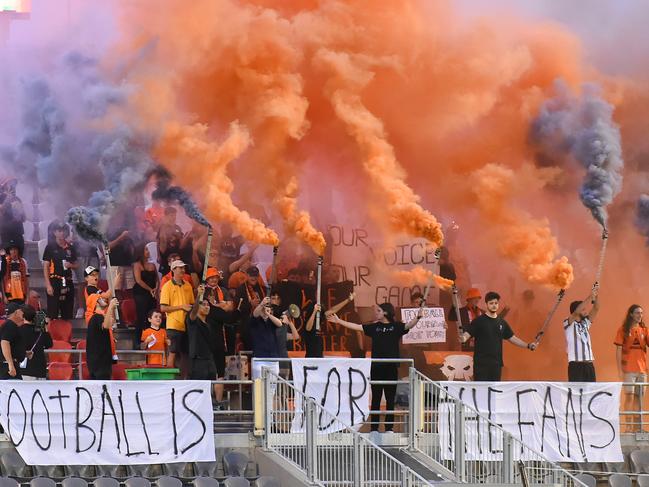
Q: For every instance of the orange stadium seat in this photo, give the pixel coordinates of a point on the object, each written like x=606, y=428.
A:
x=60, y=330
x=60, y=357
x=60, y=371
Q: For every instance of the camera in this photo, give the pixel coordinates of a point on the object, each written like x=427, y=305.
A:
x=40, y=320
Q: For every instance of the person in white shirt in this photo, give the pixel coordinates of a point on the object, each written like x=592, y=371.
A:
x=581, y=366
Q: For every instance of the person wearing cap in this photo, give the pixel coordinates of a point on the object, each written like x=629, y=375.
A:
x=167, y=277
x=176, y=300
x=99, y=354
x=468, y=313
x=59, y=259
x=14, y=275
x=92, y=294
x=11, y=343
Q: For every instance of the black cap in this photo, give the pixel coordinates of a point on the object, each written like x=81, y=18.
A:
x=11, y=245
x=13, y=307
x=252, y=271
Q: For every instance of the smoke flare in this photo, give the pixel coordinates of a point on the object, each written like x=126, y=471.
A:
x=197, y=162
x=177, y=194
x=642, y=216
x=525, y=241
x=86, y=222
x=421, y=276
x=584, y=128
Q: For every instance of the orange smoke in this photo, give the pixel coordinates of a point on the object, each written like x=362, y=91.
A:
x=348, y=76
x=197, y=162
x=421, y=276
x=526, y=241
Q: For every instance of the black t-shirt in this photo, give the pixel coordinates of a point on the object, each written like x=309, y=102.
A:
x=55, y=255
x=263, y=337
x=385, y=338
x=489, y=334
x=98, y=350
x=11, y=333
x=312, y=342
x=37, y=365
x=200, y=337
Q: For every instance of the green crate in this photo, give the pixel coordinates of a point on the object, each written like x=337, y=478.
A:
x=158, y=373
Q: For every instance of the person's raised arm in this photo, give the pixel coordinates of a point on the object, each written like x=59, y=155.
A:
x=346, y=324
x=294, y=335
x=275, y=320
x=595, y=302
x=413, y=322
x=337, y=307
x=109, y=318
x=200, y=291
x=260, y=307
x=311, y=320
x=514, y=340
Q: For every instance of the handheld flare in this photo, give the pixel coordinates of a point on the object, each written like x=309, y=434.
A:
x=109, y=276
x=208, y=248
x=548, y=318
x=602, y=254
x=273, y=271
x=318, y=291
x=456, y=305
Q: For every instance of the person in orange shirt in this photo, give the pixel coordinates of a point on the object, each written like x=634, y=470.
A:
x=155, y=338
x=631, y=353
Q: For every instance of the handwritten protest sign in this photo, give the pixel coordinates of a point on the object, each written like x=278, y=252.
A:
x=430, y=329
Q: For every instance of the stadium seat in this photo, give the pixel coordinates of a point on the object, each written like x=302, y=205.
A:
x=82, y=472
x=105, y=482
x=51, y=471
x=60, y=330
x=41, y=482
x=267, y=481
x=236, y=482
x=166, y=481
x=128, y=314
x=643, y=481
x=179, y=469
x=73, y=482
x=205, y=482
x=7, y=482
x=119, y=371
x=587, y=479
x=113, y=471
x=153, y=470
x=619, y=480
x=137, y=482
x=59, y=371
x=60, y=357
x=640, y=461
x=235, y=463
x=206, y=469
x=13, y=465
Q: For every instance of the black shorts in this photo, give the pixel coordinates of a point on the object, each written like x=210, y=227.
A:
x=202, y=369
x=581, y=372
x=179, y=342
x=487, y=372
x=219, y=362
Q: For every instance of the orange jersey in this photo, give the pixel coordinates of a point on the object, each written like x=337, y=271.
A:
x=634, y=349
x=160, y=344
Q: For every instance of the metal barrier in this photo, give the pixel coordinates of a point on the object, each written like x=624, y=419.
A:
x=430, y=403
x=401, y=419
x=316, y=442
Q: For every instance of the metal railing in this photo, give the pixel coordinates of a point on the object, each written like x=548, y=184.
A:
x=296, y=428
x=401, y=419
x=505, y=460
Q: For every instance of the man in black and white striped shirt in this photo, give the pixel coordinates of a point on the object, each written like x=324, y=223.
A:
x=578, y=345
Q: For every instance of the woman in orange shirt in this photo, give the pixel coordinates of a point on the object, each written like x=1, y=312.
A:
x=631, y=353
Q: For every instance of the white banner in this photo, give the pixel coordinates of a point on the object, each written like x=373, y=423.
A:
x=108, y=422
x=430, y=329
x=564, y=422
x=340, y=385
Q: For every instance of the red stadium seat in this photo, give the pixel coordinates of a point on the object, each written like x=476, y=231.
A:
x=60, y=357
x=119, y=371
x=60, y=371
x=60, y=330
x=129, y=315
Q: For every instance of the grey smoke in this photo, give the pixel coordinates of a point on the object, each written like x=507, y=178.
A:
x=583, y=128
x=642, y=216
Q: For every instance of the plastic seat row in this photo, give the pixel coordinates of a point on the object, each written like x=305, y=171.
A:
x=264, y=481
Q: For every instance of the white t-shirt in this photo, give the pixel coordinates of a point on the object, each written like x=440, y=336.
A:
x=578, y=343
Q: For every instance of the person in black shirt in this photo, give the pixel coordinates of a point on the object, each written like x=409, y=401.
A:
x=200, y=337
x=312, y=338
x=11, y=343
x=35, y=341
x=489, y=331
x=59, y=259
x=98, y=340
x=386, y=335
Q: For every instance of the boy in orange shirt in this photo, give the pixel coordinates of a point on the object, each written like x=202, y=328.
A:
x=155, y=338
x=631, y=353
